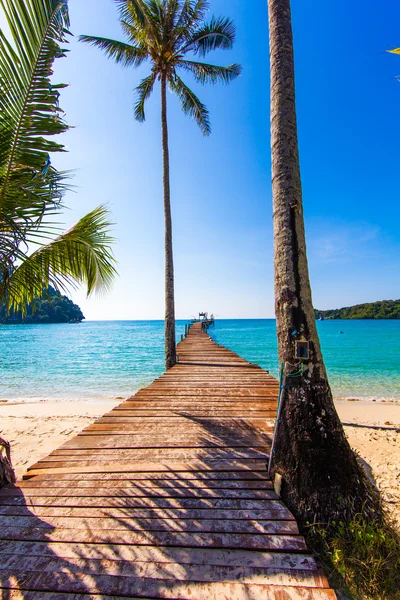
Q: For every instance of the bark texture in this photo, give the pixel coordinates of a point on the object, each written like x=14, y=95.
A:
x=322, y=478
x=7, y=474
x=169, y=323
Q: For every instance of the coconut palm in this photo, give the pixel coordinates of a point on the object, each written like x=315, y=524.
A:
x=170, y=34
x=33, y=253
x=322, y=479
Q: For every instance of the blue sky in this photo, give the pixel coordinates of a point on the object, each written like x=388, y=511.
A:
x=349, y=128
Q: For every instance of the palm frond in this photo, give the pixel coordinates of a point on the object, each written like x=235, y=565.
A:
x=129, y=11
x=147, y=17
x=206, y=73
x=218, y=34
x=192, y=11
x=29, y=110
x=122, y=53
x=191, y=105
x=192, y=14
x=143, y=91
x=80, y=255
x=172, y=14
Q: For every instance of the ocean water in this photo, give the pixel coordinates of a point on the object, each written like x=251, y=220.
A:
x=362, y=362
x=103, y=360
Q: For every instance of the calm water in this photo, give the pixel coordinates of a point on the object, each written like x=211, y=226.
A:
x=101, y=360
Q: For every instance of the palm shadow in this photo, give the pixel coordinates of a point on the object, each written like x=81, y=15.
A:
x=28, y=552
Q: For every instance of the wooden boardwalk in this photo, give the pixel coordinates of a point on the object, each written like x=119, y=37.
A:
x=166, y=496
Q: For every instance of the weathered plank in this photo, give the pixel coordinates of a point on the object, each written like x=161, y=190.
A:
x=164, y=554
x=176, y=524
x=275, y=512
x=137, y=492
x=155, y=588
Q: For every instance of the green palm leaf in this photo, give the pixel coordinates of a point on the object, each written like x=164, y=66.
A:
x=191, y=105
x=28, y=102
x=219, y=34
x=143, y=90
x=192, y=11
x=205, y=73
x=80, y=255
x=125, y=54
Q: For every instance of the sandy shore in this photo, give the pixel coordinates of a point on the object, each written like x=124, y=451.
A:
x=373, y=429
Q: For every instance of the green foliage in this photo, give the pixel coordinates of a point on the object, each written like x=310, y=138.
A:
x=385, y=309
x=50, y=307
x=165, y=32
x=362, y=559
x=80, y=255
x=31, y=188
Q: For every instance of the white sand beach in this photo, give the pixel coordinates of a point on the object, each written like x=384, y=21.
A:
x=373, y=429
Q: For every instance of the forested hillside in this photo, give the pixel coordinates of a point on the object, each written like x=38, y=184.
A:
x=385, y=309
x=52, y=308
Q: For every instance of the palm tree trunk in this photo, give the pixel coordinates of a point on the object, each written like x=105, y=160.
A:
x=169, y=324
x=322, y=478
x=7, y=474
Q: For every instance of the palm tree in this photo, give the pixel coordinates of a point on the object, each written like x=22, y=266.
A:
x=322, y=479
x=31, y=189
x=165, y=32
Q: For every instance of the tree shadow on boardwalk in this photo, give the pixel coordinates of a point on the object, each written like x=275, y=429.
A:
x=26, y=550
x=208, y=533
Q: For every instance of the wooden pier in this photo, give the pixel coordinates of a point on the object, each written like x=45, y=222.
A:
x=166, y=496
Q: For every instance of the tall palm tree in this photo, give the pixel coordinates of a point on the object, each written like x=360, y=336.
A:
x=322, y=479
x=169, y=34
x=31, y=189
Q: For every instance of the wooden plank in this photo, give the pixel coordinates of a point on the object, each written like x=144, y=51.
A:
x=92, y=442
x=274, y=512
x=161, y=403
x=192, y=484
x=144, y=502
x=18, y=594
x=185, y=476
x=281, y=542
x=213, y=428
x=163, y=453
x=129, y=465
x=178, y=418
x=165, y=554
x=160, y=467
x=175, y=571
x=176, y=524
x=156, y=588
x=137, y=492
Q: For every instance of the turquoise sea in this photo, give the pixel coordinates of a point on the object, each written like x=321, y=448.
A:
x=102, y=360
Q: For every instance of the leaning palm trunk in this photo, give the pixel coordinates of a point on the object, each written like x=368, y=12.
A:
x=322, y=479
x=169, y=324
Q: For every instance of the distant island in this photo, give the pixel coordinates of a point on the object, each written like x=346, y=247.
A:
x=52, y=308
x=385, y=309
